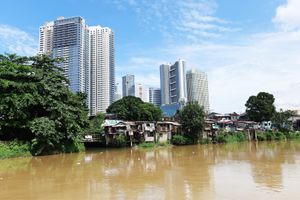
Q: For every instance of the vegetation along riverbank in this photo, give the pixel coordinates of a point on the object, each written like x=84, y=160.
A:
x=14, y=149
x=40, y=115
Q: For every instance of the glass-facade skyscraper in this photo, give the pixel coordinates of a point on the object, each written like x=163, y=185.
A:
x=128, y=85
x=70, y=42
x=154, y=96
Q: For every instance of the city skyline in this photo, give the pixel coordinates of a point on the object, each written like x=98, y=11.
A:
x=247, y=46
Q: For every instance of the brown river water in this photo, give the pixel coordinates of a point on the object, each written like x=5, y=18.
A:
x=233, y=171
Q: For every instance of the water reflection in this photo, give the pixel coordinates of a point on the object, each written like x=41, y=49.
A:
x=191, y=172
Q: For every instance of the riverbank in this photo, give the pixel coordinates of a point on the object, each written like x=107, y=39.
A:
x=14, y=149
x=260, y=136
x=232, y=137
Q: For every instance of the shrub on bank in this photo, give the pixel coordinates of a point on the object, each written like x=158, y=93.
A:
x=120, y=141
x=269, y=136
x=14, y=149
x=146, y=145
x=205, y=141
x=230, y=137
x=261, y=136
x=292, y=135
x=181, y=140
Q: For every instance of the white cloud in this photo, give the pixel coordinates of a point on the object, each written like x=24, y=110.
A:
x=190, y=20
x=14, y=40
x=288, y=15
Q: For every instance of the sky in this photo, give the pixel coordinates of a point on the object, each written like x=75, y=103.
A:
x=245, y=47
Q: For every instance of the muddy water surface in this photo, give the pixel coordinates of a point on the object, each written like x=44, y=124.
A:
x=234, y=171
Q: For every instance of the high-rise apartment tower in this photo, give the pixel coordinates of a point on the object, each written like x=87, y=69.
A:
x=197, y=88
x=102, y=67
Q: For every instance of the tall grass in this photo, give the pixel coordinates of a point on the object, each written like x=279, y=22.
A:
x=14, y=149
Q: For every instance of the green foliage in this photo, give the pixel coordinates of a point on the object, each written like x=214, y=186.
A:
x=36, y=104
x=134, y=109
x=292, y=135
x=14, y=149
x=95, y=124
x=181, y=140
x=230, y=137
x=261, y=107
x=46, y=137
x=192, y=121
x=261, y=136
x=120, y=140
x=146, y=145
x=205, y=141
x=274, y=135
x=280, y=119
x=280, y=136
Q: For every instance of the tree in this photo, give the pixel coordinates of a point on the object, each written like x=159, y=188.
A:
x=281, y=119
x=133, y=108
x=95, y=124
x=37, y=106
x=261, y=107
x=191, y=118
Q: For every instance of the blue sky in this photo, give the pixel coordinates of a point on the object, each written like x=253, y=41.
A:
x=244, y=46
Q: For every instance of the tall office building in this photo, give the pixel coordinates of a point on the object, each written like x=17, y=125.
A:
x=141, y=92
x=70, y=42
x=89, y=60
x=128, y=85
x=178, y=82
x=165, y=83
x=46, y=38
x=154, y=96
x=102, y=68
x=173, y=83
x=197, y=88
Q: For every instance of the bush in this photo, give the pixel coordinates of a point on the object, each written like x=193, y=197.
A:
x=181, y=140
x=14, y=149
x=120, y=141
x=279, y=136
x=269, y=135
x=230, y=137
x=240, y=137
x=292, y=135
x=221, y=138
x=205, y=141
x=73, y=147
x=147, y=145
x=261, y=136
